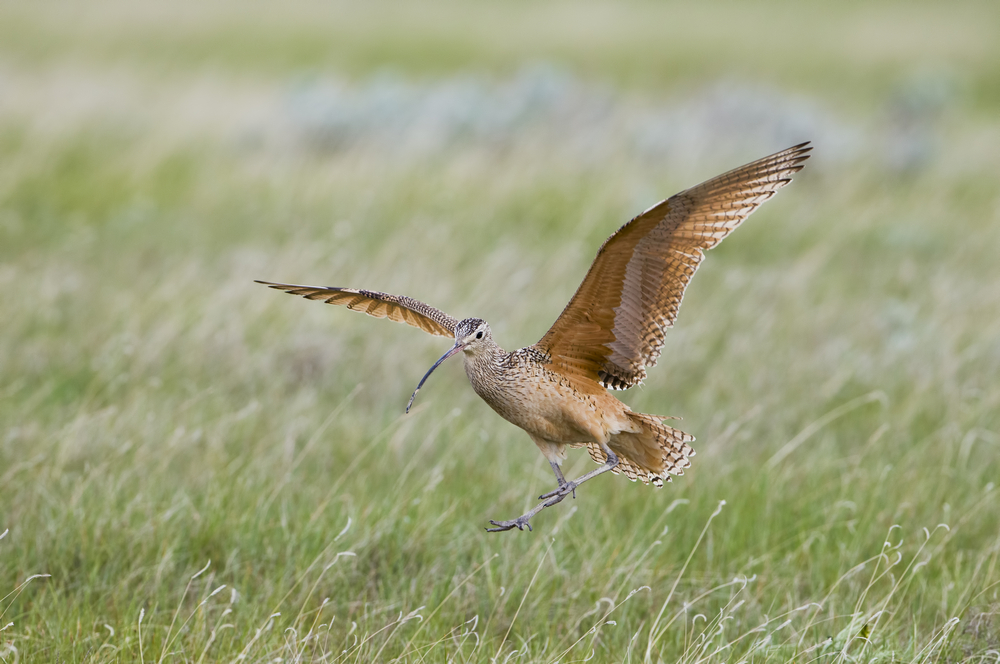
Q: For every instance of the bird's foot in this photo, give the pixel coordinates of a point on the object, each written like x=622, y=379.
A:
x=550, y=499
x=520, y=523
x=564, y=490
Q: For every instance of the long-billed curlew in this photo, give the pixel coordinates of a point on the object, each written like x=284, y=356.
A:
x=611, y=330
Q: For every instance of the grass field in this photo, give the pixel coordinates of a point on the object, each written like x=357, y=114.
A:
x=203, y=470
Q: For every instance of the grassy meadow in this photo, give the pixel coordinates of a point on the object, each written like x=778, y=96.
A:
x=194, y=468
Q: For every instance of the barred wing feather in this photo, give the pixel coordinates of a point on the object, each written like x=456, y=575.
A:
x=613, y=327
x=397, y=308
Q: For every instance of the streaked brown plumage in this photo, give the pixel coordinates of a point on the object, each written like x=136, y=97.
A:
x=609, y=333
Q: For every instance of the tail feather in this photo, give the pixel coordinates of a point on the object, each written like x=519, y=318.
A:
x=652, y=455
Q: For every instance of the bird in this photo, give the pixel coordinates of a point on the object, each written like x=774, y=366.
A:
x=610, y=332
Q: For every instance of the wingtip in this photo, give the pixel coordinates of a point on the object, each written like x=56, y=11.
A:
x=284, y=288
x=802, y=150
x=793, y=158
x=276, y=284
x=292, y=289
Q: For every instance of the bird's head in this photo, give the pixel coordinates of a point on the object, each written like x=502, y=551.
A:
x=472, y=335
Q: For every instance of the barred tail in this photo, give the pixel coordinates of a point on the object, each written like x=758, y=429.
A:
x=652, y=455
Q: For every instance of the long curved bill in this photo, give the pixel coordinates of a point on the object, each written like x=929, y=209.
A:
x=454, y=349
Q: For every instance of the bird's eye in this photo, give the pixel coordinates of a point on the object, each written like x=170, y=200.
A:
x=479, y=335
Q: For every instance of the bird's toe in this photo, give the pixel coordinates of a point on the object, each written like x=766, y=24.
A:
x=563, y=491
x=501, y=526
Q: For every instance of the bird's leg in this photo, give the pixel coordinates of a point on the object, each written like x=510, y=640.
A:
x=559, y=477
x=557, y=496
x=521, y=522
x=570, y=487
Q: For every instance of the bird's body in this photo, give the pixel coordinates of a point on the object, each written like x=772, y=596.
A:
x=611, y=330
x=560, y=412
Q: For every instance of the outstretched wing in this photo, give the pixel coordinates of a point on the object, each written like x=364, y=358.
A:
x=613, y=328
x=398, y=308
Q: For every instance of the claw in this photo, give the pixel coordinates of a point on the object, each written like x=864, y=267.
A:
x=562, y=491
x=502, y=526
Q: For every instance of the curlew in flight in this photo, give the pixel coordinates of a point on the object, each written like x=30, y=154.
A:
x=611, y=330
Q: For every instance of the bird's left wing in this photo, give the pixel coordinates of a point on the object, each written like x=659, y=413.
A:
x=397, y=308
x=613, y=328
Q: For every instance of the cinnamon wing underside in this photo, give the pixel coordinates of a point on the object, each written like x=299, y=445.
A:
x=397, y=308
x=613, y=327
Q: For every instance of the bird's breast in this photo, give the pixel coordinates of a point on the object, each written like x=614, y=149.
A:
x=544, y=403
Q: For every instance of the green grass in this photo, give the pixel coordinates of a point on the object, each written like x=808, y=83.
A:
x=849, y=51
x=837, y=359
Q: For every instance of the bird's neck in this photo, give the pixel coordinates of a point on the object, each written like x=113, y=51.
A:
x=485, y=370
x=487, y=358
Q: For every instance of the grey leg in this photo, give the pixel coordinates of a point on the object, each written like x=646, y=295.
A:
x=558, y=471
x=570, y=487
x=559, y=477
x=556, y=497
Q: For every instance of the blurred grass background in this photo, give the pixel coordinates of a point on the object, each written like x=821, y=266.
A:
x=837, y=358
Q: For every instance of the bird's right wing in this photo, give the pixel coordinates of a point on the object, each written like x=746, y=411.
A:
x=397, y=308
x=613, y=328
